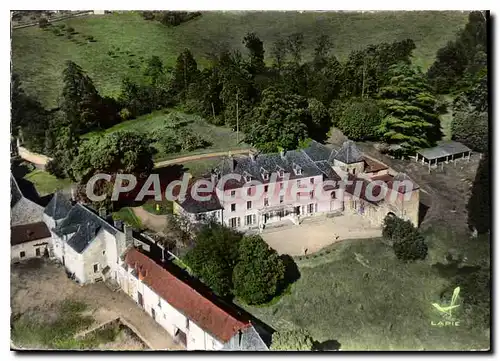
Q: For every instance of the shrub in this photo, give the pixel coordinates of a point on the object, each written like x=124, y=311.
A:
x=411, y=247
x=125, y=114
x=190, y=141
x=70, y=29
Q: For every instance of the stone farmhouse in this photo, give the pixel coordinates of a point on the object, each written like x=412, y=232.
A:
x=247, y=205
x=29, y=236
x=93, y=248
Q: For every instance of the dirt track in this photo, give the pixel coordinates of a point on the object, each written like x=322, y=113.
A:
x=199, y=156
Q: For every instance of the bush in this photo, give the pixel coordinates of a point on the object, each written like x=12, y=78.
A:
x=294, y=340
x=43, y=23
x=190, y=141
x=55, y=168
x=125, y=114
x=259, y=271
x=69, y=29
x=359, y=118
x=408, y=243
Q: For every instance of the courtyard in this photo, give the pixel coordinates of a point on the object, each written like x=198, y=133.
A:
x=38, y=286
x=316, y=233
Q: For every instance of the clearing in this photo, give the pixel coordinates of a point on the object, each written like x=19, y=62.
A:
x=45, y=183
x=221, y=139
x=124, y=41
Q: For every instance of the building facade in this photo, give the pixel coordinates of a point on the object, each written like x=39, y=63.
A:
x=259, y=190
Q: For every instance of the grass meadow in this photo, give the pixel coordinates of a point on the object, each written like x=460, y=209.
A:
x=357, y=293
x=46, y=183
x=123, y=41
x=220, y=138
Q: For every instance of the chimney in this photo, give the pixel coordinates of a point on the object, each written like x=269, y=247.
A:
x=118, y=224
x=129, y=238
x=141, y=273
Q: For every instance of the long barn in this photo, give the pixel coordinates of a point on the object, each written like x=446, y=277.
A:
x=444, y=152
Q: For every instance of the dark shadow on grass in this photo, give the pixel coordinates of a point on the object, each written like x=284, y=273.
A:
x=329, y=345
x=452, y=269
x=422, y=211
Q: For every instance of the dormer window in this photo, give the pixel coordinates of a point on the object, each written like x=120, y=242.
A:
x=281, y=172
x=297, y=169
x=264, y=173
x=248, y=177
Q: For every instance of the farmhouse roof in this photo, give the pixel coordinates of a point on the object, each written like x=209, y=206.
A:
x=59, y=206
x=22, y=210
x=349, y=153
x=202, y=311
x=191, y=205
x=83, y=225
x=28, y=232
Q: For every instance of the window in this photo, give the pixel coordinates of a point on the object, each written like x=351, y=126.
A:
x=281, y=199
x=281, y=185
x=233, y=207
x=234, y=222
x=310, y=208
x=266, y=188
x=104, y=252
x=266, y=202
x=265, y=176
x=316, y=207
x=298, y=182
x=233, y=193
x=311, y=194
x=249, y=191
x=281, y=173
x=22, y=254
x=354, y=171
x=187, y=324
x=248, y=178
x=249, y=204
x=37, y=252
x=312, y=180
x=250, y=219
x=159, y=304
x=96, y=267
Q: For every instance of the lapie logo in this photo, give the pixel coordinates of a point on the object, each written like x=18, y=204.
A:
x=446, y=311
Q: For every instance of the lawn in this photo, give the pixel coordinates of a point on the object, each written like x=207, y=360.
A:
x=359, y=294
x=46, y=183
x=127, y=215
x=33, y=330
x=220, y=138
x=125, y=40
x=159, y=208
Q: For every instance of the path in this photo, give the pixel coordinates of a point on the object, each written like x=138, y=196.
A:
x=188, y=158
x=151, y=221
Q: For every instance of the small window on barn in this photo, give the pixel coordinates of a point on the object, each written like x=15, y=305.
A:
x=187, y=323
x=96, y=267
x=104, y=252
x=22, y=254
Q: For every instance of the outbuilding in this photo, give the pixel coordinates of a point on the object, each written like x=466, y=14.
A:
x=444, y=152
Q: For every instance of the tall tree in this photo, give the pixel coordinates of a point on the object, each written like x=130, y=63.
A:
x=279, y=121
x=360, y=118
x=255, y=47
x=185, y=73
x=80, y=100
x=321, y=49
x=279, y=52
x=411, y=118
x=479, y=205
x=154, y=69
x=295, y=44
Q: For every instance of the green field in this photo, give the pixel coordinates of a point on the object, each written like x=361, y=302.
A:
x=127, y=215
x=359, y=294
x=46, y=183
x=220, y=138
x=39, y=56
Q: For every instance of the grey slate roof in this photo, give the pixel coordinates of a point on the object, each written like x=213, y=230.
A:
x=23, y=210
x=59, y=206
x=83, y=225
x=251, y=340
x=191, y=205
x=349, y=153
x=444, y=149
x=318, y=152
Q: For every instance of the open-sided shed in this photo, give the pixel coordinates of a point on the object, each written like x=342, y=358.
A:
x=444, y=152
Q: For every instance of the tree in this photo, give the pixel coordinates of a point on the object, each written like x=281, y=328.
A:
x=320, y=119
x=279, y=52
x=185, y=73
x=80, y=100
x=411, y=114
x=259, y=271
x=256, y=50
x=471, y=129
x=154, y=69
x=295, y=44
x=214, y=256
x=359, y=119
x=479, y=204
x=293, y=340
x=460, y=60
x=30, y=120
x=280, y=120
x=118, y=152
x=321, y=49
